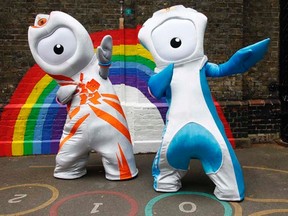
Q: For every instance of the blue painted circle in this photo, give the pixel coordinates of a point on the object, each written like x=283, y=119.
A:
x=149, y=207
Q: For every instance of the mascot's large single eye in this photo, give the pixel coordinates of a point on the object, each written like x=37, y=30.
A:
x=57, y=47
x=175, y=42
x=175, y=39
x=42, y=22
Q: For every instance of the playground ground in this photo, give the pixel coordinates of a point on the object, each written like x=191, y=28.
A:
x=27, y=187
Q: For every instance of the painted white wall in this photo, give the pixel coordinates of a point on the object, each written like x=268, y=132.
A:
x=144, y=119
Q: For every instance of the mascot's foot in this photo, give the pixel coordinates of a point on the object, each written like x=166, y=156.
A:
x=166, y=190
x=129, y=176
x=69, y=175
x=167, y=187
x=168, y=181
x=228, y=195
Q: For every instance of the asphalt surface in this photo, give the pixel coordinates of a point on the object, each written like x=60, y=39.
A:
x=27, y=187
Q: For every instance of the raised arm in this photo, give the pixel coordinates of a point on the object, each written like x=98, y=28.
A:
x=104, y=55
x=160, y=82
x=240, y=62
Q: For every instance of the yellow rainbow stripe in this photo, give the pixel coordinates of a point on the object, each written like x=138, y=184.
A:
x=131, y=50
x=20, y=125
x=21, y=122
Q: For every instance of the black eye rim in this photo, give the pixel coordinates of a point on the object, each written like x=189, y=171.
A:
x=175, y=42
x=58, y=49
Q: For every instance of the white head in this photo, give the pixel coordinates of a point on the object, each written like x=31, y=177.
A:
x=174, y=35
x=60, y=44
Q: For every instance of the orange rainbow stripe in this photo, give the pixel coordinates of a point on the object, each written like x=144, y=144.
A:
x=32, y=122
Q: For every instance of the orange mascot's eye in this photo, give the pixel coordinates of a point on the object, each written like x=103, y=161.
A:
x=42, y=21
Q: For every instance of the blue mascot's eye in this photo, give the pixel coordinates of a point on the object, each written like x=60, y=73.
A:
x=58, y=49
x=175, y=42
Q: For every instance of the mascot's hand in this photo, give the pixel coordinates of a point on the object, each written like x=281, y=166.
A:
x=258, y=51
x=248, y=56
x=104, y=55
x=159, y=83
x=65, y=93
x=241, y=61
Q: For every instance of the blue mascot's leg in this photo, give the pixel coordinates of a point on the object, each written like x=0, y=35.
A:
x=229, y=179
x=166, y=178
x=172, y=160
x=195, y=141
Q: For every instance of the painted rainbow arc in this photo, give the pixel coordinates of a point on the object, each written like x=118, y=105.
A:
x=32, y=122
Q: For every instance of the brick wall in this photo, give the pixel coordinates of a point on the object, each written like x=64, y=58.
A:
x=231, y=25
x=264, y=121
x=16, y=16
x=261, y=20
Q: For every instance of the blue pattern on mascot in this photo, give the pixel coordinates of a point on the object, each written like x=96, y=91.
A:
x=193, y=130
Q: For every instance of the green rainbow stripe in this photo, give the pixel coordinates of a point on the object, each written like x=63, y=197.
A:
x=24, y=130
x=33, y=116
x=137, y=59
x=21, y=122
x=34, y=124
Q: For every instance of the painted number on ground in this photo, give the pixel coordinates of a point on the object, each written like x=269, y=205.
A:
x=187, y=207
x=95, y=208
x=17, y=198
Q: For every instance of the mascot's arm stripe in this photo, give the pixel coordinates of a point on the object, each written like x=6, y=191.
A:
x=67, y=83
x=124, y=169
x=115, y=106
x=112, y=121
x=73, y=130
x=61, y=77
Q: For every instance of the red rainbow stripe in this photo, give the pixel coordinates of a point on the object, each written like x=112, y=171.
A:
x=32, y=122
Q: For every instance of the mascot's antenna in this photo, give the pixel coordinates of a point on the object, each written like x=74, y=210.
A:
x=121, y=19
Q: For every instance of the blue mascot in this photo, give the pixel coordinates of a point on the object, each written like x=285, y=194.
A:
x=193, y=130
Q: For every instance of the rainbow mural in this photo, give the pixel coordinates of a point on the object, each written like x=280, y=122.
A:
x=32, y=122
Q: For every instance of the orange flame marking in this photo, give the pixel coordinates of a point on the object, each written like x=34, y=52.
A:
x=124, y=169
x=115, y=106
x=73, y=130
x=111, y=96
x=68, y=107
x=81, y=77
x=74, y=112
x=112, y=121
